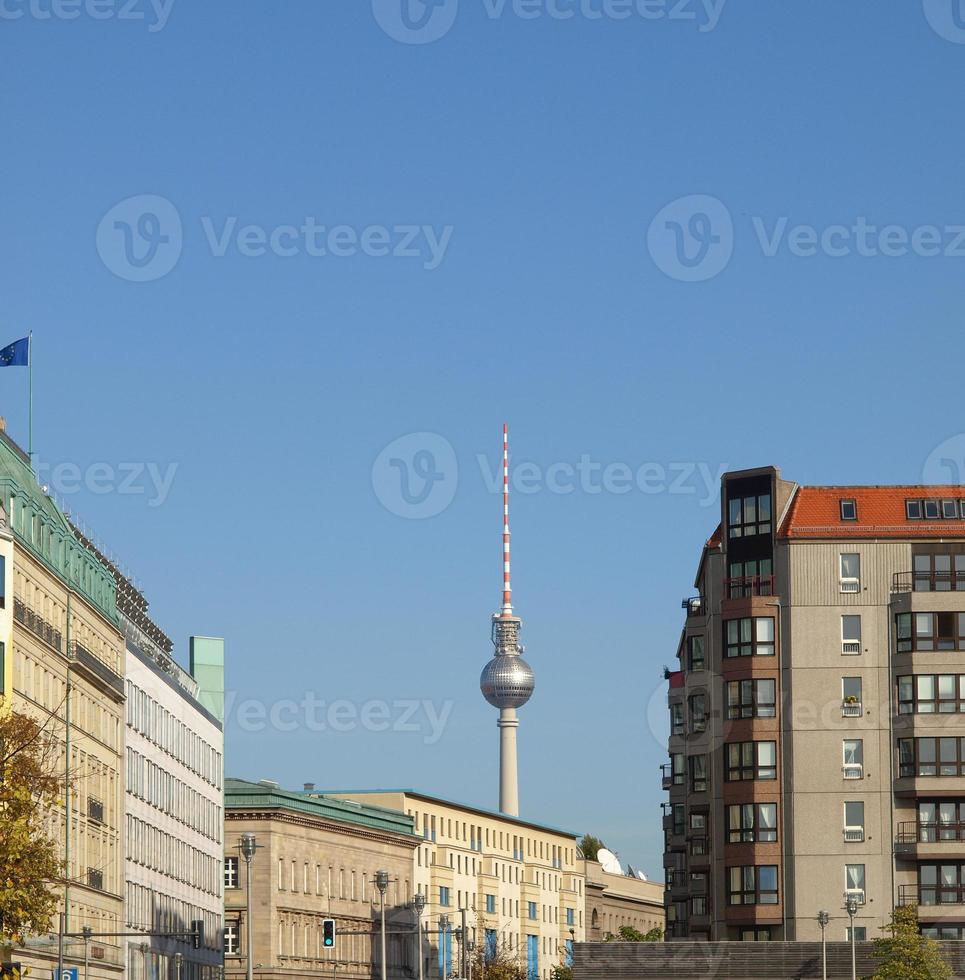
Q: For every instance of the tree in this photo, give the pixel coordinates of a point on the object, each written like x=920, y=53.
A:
x=905, y=954
x=497, y=964
x=627, y=934
x=29, y=859
x=561, y=973
x=591, y=846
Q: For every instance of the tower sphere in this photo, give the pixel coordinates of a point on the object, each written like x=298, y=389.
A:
x=507, y=681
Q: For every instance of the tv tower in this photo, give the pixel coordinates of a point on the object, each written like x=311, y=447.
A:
x=507, y=681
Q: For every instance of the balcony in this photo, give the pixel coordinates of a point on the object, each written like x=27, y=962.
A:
x=852, y=709
x=931, y=895
x=853, y=835
x=37, y=624
x=928, y=582
x=748, y=586
x=669, y=778
x=696, y=606
x=914, y=839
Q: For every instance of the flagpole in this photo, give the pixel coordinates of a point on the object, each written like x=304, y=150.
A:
x=30, y=387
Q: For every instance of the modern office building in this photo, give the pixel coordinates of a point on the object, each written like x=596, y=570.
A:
x=616, y=899
x=63, y=663
x=817, y=753
x=316, y=858
x=520, y=884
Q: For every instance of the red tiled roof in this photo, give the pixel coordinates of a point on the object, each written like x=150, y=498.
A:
x=815, y=512
x=715, y=539
x=676, y=678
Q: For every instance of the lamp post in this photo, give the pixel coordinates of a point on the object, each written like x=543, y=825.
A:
x=382, y=883
x=249, y=845
x=823, y=919
x=851, y=907
x=470, y=950
x=87, y=931
x=178, y=960
x=444, y=942
x=419, y=904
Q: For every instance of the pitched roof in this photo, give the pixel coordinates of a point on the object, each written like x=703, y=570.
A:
x=815, y=512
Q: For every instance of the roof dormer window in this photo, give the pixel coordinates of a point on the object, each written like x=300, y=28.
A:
x=849, y=510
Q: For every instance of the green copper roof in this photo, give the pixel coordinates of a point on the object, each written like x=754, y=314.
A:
x=240, y=794
x=40, y=526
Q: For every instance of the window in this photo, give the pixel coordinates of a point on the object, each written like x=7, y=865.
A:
x=752, y=885
x=938, y=573
x=490, y=904
x=695, y=653
x=698, y=822
x=751, y=760
x=231, y=872
x=913, y=510
x=851, y=691
x=750, y=578
x=677, y=718
x=699, y=905
x=748, y=823
x=532, y=910
x=851, y=634
x=677, y=770
x=570, y=917
x=860, y=934
x=849, y=510
x=930, y=756
x=756, y=935
x=903, y=632
x=231, y=932
x=930, y=510
x=932, y=631
x=854, y=882
x=697, y=765
x=748, y=516
x=749, y=637
x=444, y=896
x=697, y=704
x=928, y=694
x=941, y=884
x=950, y=510
x=853, y=751
x=679, y=824
x=752, y=698
x=850, y=572
x=854, y=821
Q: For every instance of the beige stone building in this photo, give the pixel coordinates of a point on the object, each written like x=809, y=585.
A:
x=62, y=659
x=617, y=900
x=317, y=858
x=521, y=884
x=817, y=747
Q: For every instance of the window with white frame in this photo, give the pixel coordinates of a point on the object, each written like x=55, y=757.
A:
x=851, y=634
x=231, y=937
x=854, y=821
x=850, y=572
x=854, y=882
x=231, y=872
x=853, y=763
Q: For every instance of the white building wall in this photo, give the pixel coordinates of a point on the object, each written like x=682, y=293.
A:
x=174, y=758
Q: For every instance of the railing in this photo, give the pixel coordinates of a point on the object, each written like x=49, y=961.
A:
x=37, y=625
x=850, y=585
x=669, y=777
x=95, y=810
x=851, y=646
x=853, y=835
x=852, y=709
x=931, y=895
x=698, y=847
x=853, y=771
x=855, y=893
x=695, y=606
x=749, y=585
x=915, y=832
x=928, y=582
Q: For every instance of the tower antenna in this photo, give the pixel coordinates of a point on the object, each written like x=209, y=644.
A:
x=507, y=587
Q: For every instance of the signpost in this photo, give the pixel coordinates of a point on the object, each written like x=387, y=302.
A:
x=68, y=973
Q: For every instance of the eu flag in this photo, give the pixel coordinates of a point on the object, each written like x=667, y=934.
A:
x=16, y=354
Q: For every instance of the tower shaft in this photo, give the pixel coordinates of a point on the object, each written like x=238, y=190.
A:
x=508, y=766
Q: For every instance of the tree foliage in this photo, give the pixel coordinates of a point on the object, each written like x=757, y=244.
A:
x=561, y=973
x=627, y=934
x=498, y=964
x=29, y=859
x=907, y=955
x=591, y=846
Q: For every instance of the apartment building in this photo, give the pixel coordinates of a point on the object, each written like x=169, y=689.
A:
x=617, y=900
x=816, y=749
x=521, y=885
x=316, y=859
x=63, y=663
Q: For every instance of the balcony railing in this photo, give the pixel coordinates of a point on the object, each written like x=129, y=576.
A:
x=853, y=835
x=916, y=832
x=696, y=606
x=855, y=771
x=698, y=847
x=852, y=709
x=37, y=625
x=928, y=582
x=750, y=585
x=931, y=895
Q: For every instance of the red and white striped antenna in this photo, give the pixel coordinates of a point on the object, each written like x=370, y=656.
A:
x=507, y=588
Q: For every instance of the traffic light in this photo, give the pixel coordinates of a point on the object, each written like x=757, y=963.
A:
x=197, y=933
x=328, y=933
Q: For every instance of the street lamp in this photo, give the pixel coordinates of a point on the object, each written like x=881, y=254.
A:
x=178, y=960
x=419, y=904
x=470, y=950
x=249, y=845
x=851, y=907
x=444, y=942
x=823, y=919
x=87, y=931
x=382, y=883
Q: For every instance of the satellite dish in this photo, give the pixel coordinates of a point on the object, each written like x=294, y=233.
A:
x=609, y=861
x=642, y=876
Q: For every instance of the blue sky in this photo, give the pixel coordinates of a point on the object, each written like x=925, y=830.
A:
x=513, y=170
